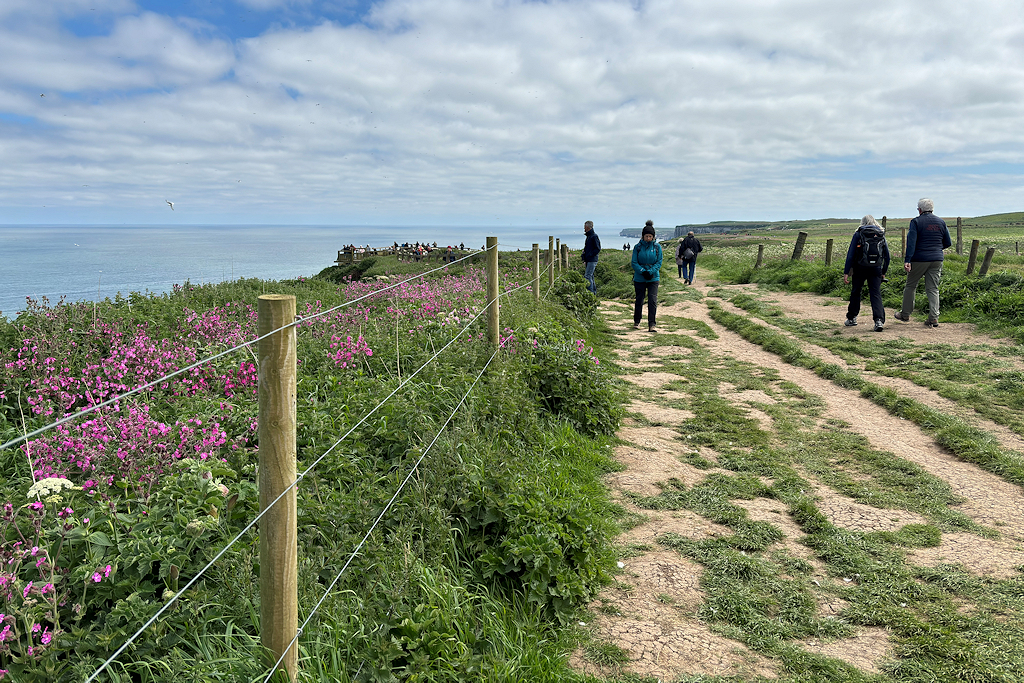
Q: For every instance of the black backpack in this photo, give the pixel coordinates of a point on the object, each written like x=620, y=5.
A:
x=872, y=243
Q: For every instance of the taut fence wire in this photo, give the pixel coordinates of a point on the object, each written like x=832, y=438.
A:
x=377, y=521
x=204, y=361
x=298, y=479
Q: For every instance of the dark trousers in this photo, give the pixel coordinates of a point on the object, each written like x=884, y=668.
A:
x=650, y=289
x=873, y=276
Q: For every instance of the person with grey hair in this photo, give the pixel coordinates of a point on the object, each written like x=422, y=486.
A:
x=927, y=237
x=867, y=260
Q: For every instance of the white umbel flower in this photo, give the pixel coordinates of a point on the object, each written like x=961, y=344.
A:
x=49, y=486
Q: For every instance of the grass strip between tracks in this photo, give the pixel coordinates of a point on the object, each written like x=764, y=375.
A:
x=968, y=443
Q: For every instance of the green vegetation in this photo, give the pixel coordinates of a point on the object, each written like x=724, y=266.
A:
x=944, y=623
x=501, y=533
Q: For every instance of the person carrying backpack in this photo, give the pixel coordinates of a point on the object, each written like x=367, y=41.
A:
x=867, y=260
x=686, y=257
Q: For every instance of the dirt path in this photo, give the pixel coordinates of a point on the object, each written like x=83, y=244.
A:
x=652, y=613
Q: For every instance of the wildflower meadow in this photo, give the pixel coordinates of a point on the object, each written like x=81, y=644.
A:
x=108, y=515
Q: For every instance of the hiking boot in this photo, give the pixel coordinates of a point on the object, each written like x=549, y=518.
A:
x=850, y=322
x=899, y=316
x=931, y=322
x=879, y=325
x=652, y=328
x=636, y=326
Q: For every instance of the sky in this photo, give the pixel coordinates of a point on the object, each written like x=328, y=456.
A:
x=507, y=112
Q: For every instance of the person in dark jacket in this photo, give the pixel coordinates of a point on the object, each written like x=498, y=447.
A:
x=591, y=249
x=869, y=232
x=927, y=237
x=647, y=256
x=686, y=257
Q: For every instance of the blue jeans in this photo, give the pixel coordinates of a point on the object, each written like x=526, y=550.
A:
x=688, y=268
x=588, y=273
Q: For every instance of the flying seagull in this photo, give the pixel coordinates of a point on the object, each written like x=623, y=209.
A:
x=170, y=204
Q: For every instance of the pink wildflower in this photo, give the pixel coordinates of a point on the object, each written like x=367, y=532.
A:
x=97, y=577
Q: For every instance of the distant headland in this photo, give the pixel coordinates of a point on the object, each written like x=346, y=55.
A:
x=747, y=226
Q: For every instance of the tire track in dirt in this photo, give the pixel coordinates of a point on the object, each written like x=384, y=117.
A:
x=651, y=615
x=990, y=500
x=1004, y=436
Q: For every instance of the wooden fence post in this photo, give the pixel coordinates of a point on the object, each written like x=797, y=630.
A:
x=760, y=256
x=551, y=261
x=536, y=273
x=558, y=254
x=959, y=236
x=492, y=291
x=903, y=243
x=798, y=250
x=279, y=604
x=987, y=262
x=828, y=252
x=973, y=258
x=884, y=220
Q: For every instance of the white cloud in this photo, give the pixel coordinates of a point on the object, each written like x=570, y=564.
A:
x=466, y=110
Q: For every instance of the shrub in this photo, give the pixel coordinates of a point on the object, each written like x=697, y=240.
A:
x=568, y=381
x=572, y=293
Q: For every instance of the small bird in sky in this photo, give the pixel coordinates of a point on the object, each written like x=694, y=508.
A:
x=42, y=94
x=170, y=204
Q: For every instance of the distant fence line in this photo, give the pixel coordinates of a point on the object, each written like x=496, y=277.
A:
x=801, y=240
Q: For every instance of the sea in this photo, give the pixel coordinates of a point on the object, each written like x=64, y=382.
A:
x=93, y=262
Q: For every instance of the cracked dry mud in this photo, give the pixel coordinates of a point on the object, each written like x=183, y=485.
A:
x=651, y=613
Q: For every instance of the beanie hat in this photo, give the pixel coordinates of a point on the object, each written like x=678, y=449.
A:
x=648, y=230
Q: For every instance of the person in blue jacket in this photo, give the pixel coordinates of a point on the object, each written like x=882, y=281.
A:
x=926, y=239
x=647, y=257
x=591, y=249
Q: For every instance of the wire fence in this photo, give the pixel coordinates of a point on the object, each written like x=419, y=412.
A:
x=300, y=476
x=210, y=359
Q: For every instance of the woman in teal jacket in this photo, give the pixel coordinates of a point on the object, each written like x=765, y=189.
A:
x=646, y=276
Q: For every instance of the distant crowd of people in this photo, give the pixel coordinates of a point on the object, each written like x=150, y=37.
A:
x=418, y=249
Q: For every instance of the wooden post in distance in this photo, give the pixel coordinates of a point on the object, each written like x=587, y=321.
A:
x=551, y=261
x=760, y=256
x=973, y=258
x=536, y=273
x=987, y=262
x=798, y=250
x=492, y=291
x=828, y=252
